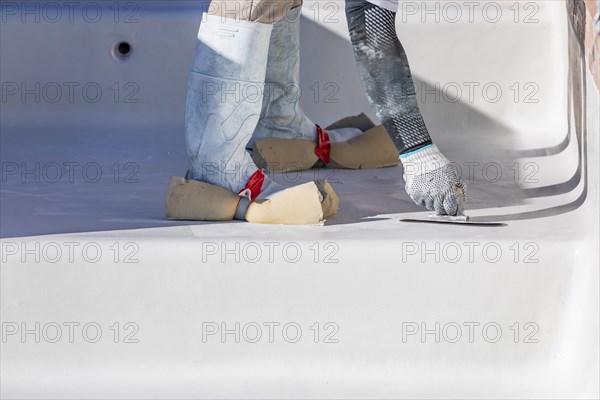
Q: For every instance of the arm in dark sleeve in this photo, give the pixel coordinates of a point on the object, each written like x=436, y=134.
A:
x=385, y=73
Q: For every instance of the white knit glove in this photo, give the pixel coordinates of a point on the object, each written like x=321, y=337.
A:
x=432, y=182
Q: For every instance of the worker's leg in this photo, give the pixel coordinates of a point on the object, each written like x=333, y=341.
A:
x=224, y=102
x=286, y=138
x=263, y=11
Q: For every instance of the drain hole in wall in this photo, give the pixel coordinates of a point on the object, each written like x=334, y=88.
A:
x=121, y=50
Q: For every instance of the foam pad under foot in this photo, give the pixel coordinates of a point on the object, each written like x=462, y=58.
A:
x=309, y=203
x=372, y=149
x=199, y=201
x=289, y=155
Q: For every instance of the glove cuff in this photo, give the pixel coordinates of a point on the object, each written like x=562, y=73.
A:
x=423, y=160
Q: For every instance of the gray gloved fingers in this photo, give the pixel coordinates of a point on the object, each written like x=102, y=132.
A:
x=450, y=205
x=429, y=201
x=463, y=188
x=459, y=194
x=414, y=196
x=440, y=204
x=420, y=201
x=451, y=200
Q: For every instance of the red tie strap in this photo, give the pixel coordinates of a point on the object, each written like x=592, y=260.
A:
x=323, y=149
x=254, y=186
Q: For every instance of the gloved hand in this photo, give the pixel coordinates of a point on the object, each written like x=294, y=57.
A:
x=431, y=181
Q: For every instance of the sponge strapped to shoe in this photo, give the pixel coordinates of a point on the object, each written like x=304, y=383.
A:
x=309, y=203
x=371, y=149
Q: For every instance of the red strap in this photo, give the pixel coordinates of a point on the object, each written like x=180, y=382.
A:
x=323, y=149
x=254, y=185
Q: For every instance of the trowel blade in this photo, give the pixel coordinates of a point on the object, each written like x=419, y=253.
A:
x=449, y=219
